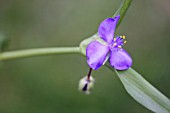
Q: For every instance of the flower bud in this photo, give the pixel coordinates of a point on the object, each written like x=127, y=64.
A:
x=86, y=84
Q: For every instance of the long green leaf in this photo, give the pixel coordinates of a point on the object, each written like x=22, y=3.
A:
x=143, y=92
x=122, y=10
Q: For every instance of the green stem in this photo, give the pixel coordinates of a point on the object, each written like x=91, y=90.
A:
x=37, y=52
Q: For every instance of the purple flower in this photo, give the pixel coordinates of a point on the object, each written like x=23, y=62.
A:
x=97, y=53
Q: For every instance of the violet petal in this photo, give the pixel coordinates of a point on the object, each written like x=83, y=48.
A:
x=96, y=54
x=107, y=28
x=120, y=59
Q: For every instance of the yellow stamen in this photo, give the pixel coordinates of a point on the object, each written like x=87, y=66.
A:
x=125, y=42
x=114, y=39
x=115, y=44
x=119, y=46
x=123, y=37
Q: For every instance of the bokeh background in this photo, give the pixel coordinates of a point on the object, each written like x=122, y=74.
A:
x=49, y=84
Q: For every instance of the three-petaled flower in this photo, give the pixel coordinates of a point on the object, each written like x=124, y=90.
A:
x=97, y=53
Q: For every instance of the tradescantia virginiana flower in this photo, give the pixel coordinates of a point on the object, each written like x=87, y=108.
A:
x=97, y=53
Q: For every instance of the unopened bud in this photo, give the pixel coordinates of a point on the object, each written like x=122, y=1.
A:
x=86, y=84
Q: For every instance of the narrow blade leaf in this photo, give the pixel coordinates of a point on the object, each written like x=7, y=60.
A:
x=143, y=92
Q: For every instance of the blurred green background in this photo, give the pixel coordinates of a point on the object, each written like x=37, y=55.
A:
x=49, y=84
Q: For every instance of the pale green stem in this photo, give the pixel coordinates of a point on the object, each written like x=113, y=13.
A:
x=37, y=51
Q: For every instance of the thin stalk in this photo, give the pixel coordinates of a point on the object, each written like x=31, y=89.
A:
x=89, y=74
x=37, y=52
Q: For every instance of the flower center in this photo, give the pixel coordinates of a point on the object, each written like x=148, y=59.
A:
x=118, y=43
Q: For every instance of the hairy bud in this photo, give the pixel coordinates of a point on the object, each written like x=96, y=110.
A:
x=86, y=84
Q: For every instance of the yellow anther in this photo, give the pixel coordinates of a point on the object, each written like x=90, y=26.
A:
x=115, y=44
x=119, y=46
x=123, y=37
x=114, y=39
x=125, y=42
